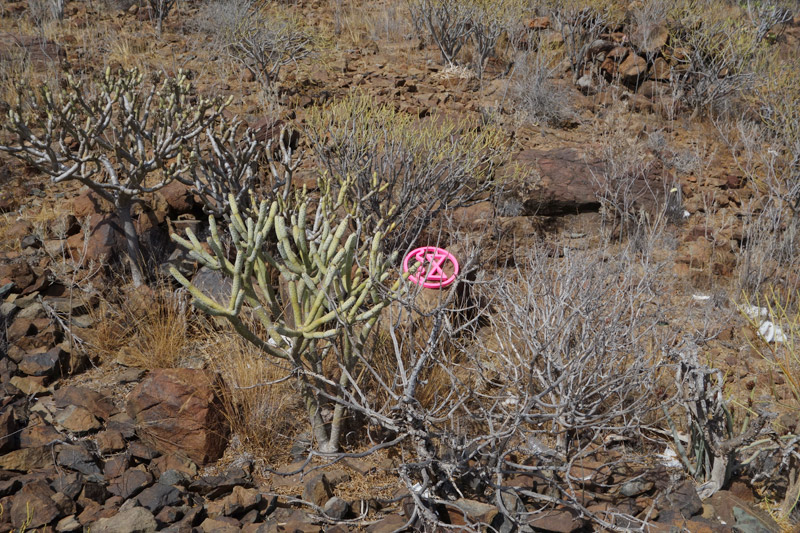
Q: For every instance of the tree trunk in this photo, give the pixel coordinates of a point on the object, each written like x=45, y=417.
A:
x=131, y=240
x=315, y=417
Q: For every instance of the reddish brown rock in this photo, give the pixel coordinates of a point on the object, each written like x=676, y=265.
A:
x=557, y=521
x=732, y=510
x=633, y=69
x=17, y=231
x=34, y=506
x=654, y=89
x=9, y=439
x=317, y=490
x=52, y=363
x=104, y=241
x=178, y=198
x=660, y=70
x=649, y=38
x=38, y=433
x=110, y=441
x=18, y=273
x=539, y=23
x=98, y=404
x=30, y=384
x=130, y=483
x=77, y=419
x=89, y=203
x=177, y=410
x=568, y=181
x=132, y=520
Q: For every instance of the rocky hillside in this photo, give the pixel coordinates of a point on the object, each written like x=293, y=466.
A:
x=206, y=326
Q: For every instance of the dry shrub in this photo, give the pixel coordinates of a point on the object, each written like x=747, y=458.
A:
x=776, y=338
x=262, y=36
x=401, y=170
x=539, y=98
x=452, y=24
x=718, y=48
x=259, y=397
x=146, y=327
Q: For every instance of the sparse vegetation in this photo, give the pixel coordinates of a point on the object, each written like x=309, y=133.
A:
x=262, y=37
x=619, y=182
x=120, y=138
x=399, y=171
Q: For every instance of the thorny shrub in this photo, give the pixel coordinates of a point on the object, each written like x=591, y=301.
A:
x=717, y=50
x=776, y=459
x=771, y=233
x=568, y=361
x=404, y=172
x=454, y=23
x=539, y=98
x=263, y=37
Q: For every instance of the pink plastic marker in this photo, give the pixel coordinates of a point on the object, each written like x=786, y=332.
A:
x=431, y=273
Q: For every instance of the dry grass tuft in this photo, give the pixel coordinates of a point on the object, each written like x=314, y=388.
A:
x=260, y=403
x=146, y=328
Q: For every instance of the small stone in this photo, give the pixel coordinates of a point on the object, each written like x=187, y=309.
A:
x=77, y=420
x=30, y=385
x=27, y=459
x=317, y=490
x=30, y=241
x=222, y=526
x=135, y=520
x=539, y=23
x=172, y=462
x=76, y=457
x=169, y=515
x=98, y=404
x=68, y=483
x=633, y=69
x=142, y=451
x=635, y=487
x=38, y=433
x=64, y=503
x=130, y=375
x=68, y=524
x=557, y=521
x=20, y=327
x=130, y=483
x=173, y=477
x=32, y=312
x=388, y=525
x=110, y=441
x=158, y=496
x=9, y=487
x=336, y=508
x=682, y=498
x=116, y=466
x=52, y=363
x=179, y=410
x=34, y=507
x=8, y=431
x=122, y=422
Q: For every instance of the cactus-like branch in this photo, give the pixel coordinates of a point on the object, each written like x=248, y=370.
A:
x=329, y=300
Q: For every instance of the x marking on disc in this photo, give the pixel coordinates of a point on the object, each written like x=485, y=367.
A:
x=435, y=262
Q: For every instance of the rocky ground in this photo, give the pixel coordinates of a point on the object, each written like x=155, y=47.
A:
x=90, y=444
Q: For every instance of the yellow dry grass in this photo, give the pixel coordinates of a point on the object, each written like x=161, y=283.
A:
x=259, y=398
x=145, y=328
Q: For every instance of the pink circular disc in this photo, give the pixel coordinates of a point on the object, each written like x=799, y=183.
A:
x=431, y=273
